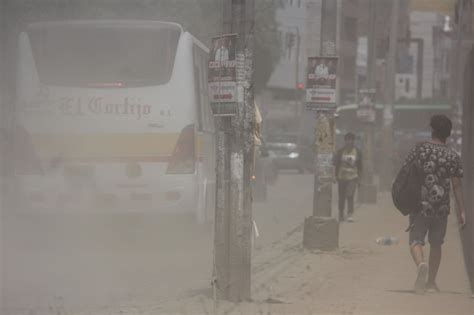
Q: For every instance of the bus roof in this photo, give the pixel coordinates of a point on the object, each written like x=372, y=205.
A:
x=145, y=24
x=198, y=42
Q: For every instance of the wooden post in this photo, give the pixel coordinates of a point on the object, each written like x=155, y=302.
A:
x=233, y=230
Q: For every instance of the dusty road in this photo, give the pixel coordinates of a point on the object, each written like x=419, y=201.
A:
x=83, y=262
x=145, y=265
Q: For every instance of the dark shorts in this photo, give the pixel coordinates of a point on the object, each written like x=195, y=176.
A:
x=434, y=227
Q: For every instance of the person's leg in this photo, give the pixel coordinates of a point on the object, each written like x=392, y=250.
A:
x=422, y=268
x=350, y=208
x=417, y=254
x=342, y=198
x=435, y=261
x=350, y=205
x=350, y=192
x=418, y=232
x=437, y=232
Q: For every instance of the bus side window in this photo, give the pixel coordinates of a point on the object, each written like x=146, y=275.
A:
x=208, y=117
x=197, y=87
x=206, y=122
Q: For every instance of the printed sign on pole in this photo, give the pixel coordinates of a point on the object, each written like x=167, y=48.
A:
x=366, y=106
x=324, y=133
x=222, y=75
x=321, y=82
x=324, y=166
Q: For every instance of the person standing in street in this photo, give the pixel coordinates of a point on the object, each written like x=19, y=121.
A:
x=440, y=168
x=347, y=173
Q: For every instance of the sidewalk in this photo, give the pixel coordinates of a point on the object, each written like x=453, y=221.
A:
x=360, y=278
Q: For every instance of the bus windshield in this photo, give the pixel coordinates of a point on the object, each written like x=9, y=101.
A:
x=82, y=55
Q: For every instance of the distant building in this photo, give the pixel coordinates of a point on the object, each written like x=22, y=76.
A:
x=428, y=26
x=281, y=100
x=346, y=46
x=443, y=7
x=300, y=35
x=383, y=10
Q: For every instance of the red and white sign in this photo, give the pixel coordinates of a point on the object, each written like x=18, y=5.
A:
x=321, y=82
x=320, y=95
x=223, y=92
x=366, y=106
x=222, y=75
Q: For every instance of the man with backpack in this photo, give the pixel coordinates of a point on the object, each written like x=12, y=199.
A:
x=436, y=167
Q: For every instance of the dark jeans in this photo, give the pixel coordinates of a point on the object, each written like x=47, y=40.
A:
x=346, y=190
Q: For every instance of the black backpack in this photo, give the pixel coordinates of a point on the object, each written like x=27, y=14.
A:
x=406, y=189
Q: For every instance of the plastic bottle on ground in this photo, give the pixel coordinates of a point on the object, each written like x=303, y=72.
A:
x=387, y=240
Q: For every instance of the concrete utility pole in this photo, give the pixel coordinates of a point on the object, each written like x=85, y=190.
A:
x=323, y=197
x=463, y=92
x=321, y=231
x=2, y=146
x=368, y=192
x=8, y=21
x=391, y=62
x=233, y=220
x=297, y=72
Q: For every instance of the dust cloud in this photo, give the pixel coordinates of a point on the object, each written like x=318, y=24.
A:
x=110, y=155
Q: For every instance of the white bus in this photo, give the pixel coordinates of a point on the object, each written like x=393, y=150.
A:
x=117, y=116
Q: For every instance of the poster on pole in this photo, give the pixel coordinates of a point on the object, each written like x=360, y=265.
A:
x=324, y=166
x=222, y=75
x=324, y=133
x=321, y=82
x=366, y=108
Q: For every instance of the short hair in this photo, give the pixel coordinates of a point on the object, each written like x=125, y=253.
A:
x=441, y=126
x=349, y=136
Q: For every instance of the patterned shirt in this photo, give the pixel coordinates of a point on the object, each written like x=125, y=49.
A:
x=438, y=164
x=348, y=169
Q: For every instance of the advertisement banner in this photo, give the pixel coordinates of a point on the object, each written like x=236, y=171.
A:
x=222, y=75
x=324, y=166
x=321, y=81
x=366, y=108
